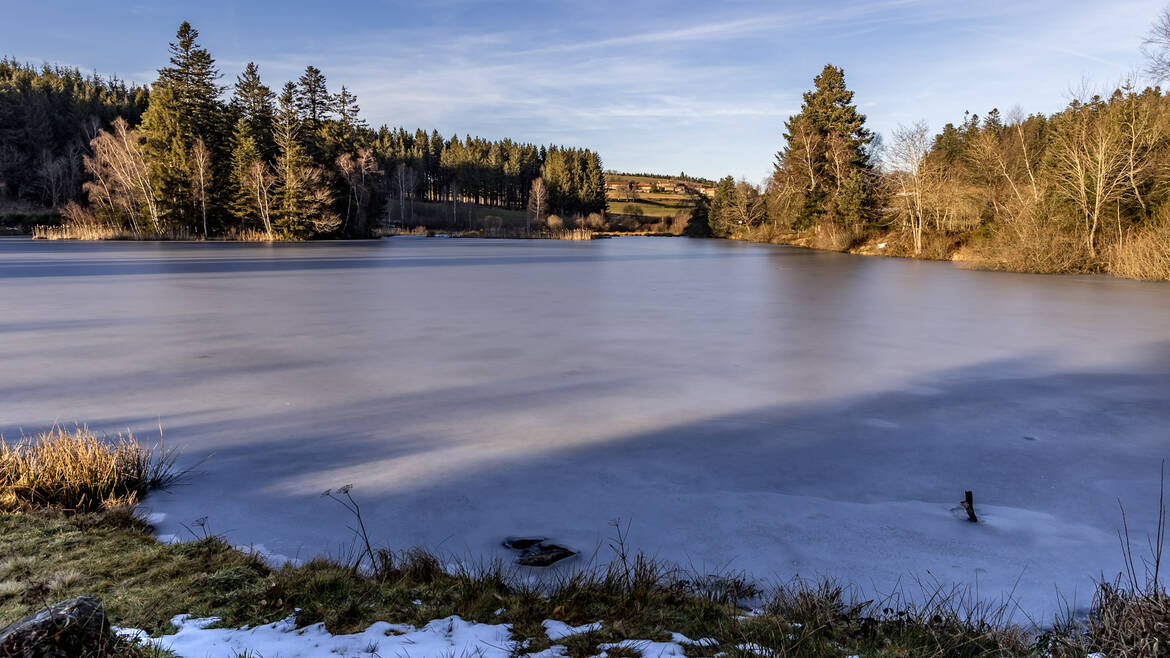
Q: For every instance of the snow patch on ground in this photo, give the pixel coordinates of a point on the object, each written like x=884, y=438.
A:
x=647, y=648
x=679, y=638
x=440, y=638
x=270, y=558
x=443, y=637
x=558, y=630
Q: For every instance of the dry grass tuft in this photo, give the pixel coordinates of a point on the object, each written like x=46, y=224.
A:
x=386, y=231
x=99, y=231
x=1131, y=623
x=78, y=231
x=1143, y=255
x=571, y=234
x=248, y=235
x=77, y=471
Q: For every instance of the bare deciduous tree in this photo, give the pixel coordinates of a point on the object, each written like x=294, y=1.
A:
x=747, y=208
x=912, y=178
x=318, y=207
x=259, y=181
x=537, y=204
x=52, y=173
x=201, y=177
x=1089, y=156
x=120, y=183
x=806, y=144
x=355, y=170
x=404, y=183
x=1143, y=125
x=1156, y=48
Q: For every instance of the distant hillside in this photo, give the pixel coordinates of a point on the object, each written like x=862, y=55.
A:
x=653, y=195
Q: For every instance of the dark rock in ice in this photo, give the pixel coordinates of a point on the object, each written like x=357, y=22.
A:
x=537, y=551
x=543, y=555
x=522, y=543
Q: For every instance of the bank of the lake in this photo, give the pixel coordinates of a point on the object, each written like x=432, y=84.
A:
x=1147, y=260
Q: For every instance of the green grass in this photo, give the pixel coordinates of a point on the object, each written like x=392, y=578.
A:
x=651, y=208
x=47, y=556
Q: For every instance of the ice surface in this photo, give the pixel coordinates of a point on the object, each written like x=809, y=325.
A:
x=766, y=409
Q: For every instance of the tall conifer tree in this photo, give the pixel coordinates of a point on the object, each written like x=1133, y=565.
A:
x=245, y=153
x=252, y=100
x=827, y=153
x=184, y=109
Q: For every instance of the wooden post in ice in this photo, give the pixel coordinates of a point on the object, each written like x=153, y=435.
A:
x=969, y=505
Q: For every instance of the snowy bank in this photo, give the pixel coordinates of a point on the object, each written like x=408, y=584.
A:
x=441, y=638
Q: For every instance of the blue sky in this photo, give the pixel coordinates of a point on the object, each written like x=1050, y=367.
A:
x=701, y=87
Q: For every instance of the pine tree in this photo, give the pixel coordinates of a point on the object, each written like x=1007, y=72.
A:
x=304, y=200
x=719, y=216
x=557, y=178
x=699, y=224
x=314, y=107
x=192, y=76
x=826, y=154
x=340, y=136
x=184, y=109
x=312, y=98
x=346, y=107
x=252, y=101
x=245, y=153
x=595, y=200
x=168, y=159
x=290, y=160
x=830, y=107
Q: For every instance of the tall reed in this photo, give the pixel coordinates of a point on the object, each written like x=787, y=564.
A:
x=75, y=470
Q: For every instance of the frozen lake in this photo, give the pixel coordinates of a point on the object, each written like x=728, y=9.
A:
x=767, y=409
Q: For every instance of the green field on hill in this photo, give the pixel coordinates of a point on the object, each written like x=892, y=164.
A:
x=663, y=203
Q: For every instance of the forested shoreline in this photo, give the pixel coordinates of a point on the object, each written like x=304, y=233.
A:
x=189, y=157
x=1081, y=190
x=1085, y=189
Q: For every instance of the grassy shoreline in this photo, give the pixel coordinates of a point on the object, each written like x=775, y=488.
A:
x=69, y=528
x=958, y=247
x=49, y=556
x=961, y=247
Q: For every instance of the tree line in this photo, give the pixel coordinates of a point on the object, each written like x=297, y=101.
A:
x=1083, y=189
x=192, y=156
x=48, y=116
x=682, y=176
